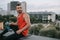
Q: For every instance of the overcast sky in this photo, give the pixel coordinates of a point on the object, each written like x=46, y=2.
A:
x=36, y=5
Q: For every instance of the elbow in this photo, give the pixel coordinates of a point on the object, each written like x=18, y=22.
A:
x=29, y=24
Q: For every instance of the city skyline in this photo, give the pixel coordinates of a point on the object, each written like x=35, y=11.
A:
x=36, y=5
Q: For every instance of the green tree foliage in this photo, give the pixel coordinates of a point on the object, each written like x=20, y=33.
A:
x=5, y=18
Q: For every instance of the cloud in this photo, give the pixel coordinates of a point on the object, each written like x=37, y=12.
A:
x=37, y=5
x=41, y=5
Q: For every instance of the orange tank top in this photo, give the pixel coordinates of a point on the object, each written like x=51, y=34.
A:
x=21, y=23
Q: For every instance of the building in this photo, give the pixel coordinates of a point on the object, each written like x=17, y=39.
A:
x=12, y=7
x=24, y=6
x=3, y=12
x=45, y=17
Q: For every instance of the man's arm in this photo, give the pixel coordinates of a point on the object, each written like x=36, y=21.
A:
x=27, y=20
x=12, y=23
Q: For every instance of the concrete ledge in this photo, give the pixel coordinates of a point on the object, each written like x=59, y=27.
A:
x=32, y=37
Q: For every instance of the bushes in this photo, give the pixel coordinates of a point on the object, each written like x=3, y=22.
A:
x=35, y=29
x=7, y=18
x=58, y=31
x=58, y=28
x=57, y=34
x=31, y=30
x=49, y=32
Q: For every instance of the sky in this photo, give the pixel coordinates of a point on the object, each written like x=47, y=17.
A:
x=36, y=5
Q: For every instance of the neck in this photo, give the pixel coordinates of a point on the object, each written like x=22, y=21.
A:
x=19, y=13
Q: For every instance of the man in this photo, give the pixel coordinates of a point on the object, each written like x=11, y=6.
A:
x=23, y=22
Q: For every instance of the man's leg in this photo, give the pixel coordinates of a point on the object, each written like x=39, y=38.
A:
x=14, y=37
x=14, y=27
x=11, y=37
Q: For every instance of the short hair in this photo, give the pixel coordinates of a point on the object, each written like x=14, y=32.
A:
x=18, y=4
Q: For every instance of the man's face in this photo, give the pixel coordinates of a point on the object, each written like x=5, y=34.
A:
x=19, y=9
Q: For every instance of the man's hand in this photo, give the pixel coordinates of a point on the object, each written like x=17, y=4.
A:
x=12, y=23
x=18, y=31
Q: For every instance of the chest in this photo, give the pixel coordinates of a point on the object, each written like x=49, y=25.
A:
x=20, y=19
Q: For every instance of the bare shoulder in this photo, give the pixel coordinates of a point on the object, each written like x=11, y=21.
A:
x=26, y=15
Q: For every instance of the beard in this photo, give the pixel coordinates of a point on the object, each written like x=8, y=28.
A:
x=20, y=11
